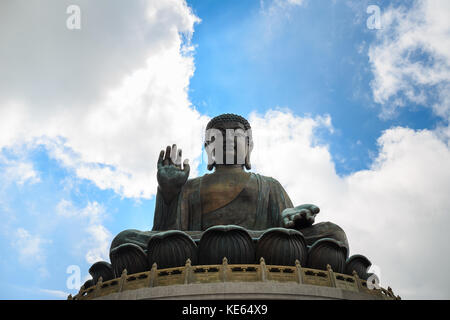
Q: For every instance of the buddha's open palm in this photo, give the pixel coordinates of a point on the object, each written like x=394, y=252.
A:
x=300, y=216
x=171, y=177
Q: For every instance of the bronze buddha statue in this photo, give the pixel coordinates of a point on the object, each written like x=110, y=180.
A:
x=230, y=213
x=229, y=195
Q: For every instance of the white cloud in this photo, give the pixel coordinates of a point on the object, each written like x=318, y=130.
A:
x=273, y=5
x=395, y=213
x=274, y=13
x=103, y=105
x=105, y=99
x=100, y=238
x=409, y=181
x=411, y=59
x=296, y=2
x=94, y=212
x=29, y=247
x=88, y=222
x=19, y=171
x=284, y=140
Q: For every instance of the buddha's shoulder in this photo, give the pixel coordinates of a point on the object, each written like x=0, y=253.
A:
x=194, y=182
x=260, y=176
x=264, y=178
x=191, y=186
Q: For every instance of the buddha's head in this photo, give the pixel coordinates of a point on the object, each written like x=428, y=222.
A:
x=228, y=141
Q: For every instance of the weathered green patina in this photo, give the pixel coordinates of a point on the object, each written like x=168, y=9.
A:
x=229, y=196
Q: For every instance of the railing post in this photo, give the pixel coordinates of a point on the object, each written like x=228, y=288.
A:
x=98, y=287
x=298, y=270
x=224, y=269
x=358, y=280
x=262, y=268
x=123, y=280
x=80, y=293
x=391, y=293
x=187, y=271
x=153, y=275
x=331, y=275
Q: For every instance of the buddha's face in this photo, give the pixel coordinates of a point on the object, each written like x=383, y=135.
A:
x=228, y=144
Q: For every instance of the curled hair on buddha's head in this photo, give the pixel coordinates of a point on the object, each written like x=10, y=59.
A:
x=215, y=123
x=227, y=117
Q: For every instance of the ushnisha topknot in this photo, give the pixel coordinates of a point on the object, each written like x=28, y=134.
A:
x=227, y=117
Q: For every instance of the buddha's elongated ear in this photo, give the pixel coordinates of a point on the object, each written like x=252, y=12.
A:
x=211, y=161
x=249, y=148
x=248, y=165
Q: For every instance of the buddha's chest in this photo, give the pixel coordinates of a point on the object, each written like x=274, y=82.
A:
x=238, y=209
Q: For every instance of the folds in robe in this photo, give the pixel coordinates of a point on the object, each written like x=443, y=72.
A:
x=257, y=205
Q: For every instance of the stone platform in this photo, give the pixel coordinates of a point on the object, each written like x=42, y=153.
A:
x=232, y=281
x=241, y=291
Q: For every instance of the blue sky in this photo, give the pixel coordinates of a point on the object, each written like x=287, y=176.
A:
x=310, y=64
x=85, y=113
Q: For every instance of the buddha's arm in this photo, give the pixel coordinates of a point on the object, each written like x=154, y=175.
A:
x=278, y=201
x=293, y=217
x=171, y=179
x=166, y=213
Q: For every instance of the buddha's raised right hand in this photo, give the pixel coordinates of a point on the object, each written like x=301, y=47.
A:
x=171, y=177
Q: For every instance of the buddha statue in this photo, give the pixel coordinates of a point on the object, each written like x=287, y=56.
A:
x=230, y=212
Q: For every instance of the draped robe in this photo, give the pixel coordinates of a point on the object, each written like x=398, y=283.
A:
x=254, y=203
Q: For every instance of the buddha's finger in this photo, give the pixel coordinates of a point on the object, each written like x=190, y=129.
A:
x=167, y=156
x=300, y=215
x=160, y=159
x=288, y=222
x=186, y=167
x=314, y=209
x=173, y=154
x=179, y=157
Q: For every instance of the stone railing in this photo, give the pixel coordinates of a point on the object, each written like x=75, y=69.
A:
x=230, y=273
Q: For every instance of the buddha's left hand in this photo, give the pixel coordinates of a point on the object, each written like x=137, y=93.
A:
x=299, y=217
